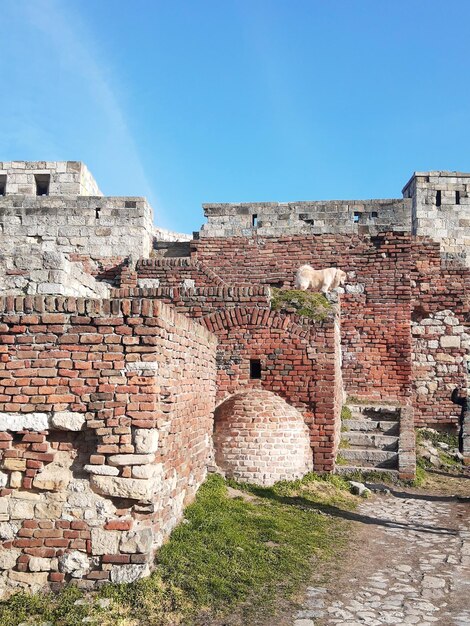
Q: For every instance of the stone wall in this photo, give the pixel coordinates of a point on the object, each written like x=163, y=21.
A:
x=441, y=209
x=105, y=434
x=93, y=226
x=65, y=178
x=277, y=219
x=30, y=269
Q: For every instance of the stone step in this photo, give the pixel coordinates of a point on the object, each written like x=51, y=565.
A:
x=375, y=412
x=351, y=469
x=386, y=427
x=370, y=440
x=370, y=457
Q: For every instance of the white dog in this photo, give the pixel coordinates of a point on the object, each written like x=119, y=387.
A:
x=319, y=280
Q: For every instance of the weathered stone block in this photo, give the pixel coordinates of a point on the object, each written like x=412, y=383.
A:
x=8, y=558
x=137, y=541
x=450, y=341
x=18, y=421
x=77, y=563
x=104, y=541
x=130, y=459
x=118, y=487
x=128, y=573
x=146, y=440
x=68, y=420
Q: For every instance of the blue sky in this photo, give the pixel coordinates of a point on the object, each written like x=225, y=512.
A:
x=192, y=101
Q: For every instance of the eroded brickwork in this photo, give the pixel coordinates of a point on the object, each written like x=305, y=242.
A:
x=105, y=434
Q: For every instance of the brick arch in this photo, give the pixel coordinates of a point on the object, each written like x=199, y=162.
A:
x=299, y=364
x=249, y=316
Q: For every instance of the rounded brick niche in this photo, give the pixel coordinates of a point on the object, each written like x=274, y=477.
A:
x=260, y=439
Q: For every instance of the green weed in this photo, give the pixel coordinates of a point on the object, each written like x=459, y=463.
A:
x=305, y=303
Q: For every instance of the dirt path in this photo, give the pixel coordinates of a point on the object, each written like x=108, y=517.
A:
x=409, y=563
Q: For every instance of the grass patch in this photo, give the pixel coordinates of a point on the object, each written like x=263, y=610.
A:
x=346, y=412
x=365, y=401
x=232, y=553
x=421, y=474
x=364, y=476
x=312, y=305
x=436, y=437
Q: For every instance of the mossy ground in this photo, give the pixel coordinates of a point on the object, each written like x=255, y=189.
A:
x=237, y=550
x=305, y=303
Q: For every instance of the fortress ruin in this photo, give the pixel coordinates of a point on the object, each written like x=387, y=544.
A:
x=133, y=359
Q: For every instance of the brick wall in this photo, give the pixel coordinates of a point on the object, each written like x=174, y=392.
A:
x=178, y=272
x=105, y=432
x=260, y=439
x=375, y=318
x=301, y=359
x=441, y=338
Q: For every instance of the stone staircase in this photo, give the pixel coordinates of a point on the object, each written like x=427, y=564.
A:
x=370, y=439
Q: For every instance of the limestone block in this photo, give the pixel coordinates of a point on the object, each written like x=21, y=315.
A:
x=29, y=421
x=14, y=464
x=104, y=541
x=450, y=341
x=4, y=514
x=8, y=558
x=21, y=509
x=146, y=440
x=54, y=477
x=118, y=487
x=75, y=563
x=130, y=459
x=40, y=564
x=49, y=509
x=147, y=471
x=128, y=573
x=33, y=580
x=68, y=420
x=16, y=480
x=137, y=541
x=148, y=283
x=9, y=530
x=3, y=479
x=101, y=470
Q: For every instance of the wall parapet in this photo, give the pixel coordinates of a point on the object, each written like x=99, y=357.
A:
x=277, y=219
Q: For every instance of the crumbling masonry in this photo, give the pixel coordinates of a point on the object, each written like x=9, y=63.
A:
x=133, y=359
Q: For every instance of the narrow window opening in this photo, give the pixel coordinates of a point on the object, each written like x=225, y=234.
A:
x=457, y=197
x=357, y=216
x=42, y=184
x=438, y=198
x=3, y=185
x=97, y=212
x=254, y=220
x=375, y=214
x=255, y=369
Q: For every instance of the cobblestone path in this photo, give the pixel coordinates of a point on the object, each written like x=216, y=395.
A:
x=412, y=566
